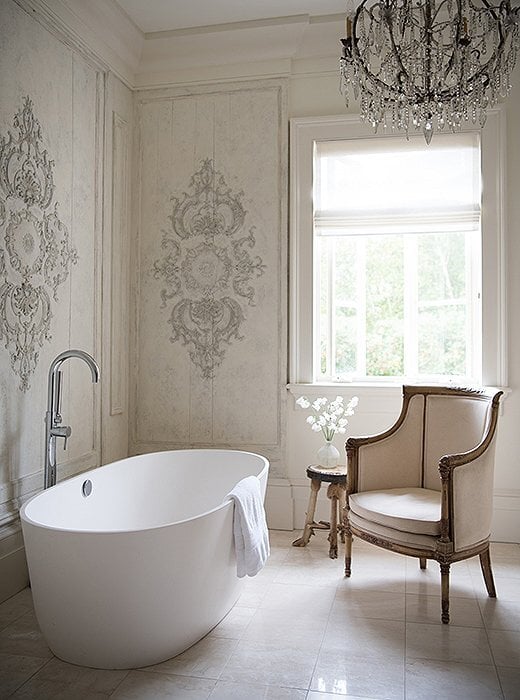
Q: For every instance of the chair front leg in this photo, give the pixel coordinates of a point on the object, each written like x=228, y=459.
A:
x=348, y=545
x=485, y=565
x=445, y=593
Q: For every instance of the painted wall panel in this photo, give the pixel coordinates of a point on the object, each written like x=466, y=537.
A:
x=50, y=234
x=210, y=337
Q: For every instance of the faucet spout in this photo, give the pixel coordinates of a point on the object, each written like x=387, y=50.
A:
x=53, y=429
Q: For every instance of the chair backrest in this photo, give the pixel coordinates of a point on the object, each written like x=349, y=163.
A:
x=452, y=421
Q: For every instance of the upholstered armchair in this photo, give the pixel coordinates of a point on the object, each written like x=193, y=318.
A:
x=425, y=486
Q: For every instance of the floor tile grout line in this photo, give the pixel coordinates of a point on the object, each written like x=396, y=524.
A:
x=495, y=666
x=120, y=682
x=38, y=670
x=322, y=639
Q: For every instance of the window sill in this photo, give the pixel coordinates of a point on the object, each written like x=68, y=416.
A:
x=335, y=388
x=360, y=388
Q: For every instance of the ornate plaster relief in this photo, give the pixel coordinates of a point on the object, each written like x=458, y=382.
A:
x=35, y=248
x=207, y=268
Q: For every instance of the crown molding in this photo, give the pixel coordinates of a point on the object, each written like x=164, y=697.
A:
x=293, y=46
x=97, y=28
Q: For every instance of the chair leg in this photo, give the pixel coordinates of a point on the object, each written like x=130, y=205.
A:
x=348, y=548
x=445, y=593
x=485, y=565
x=422, y=562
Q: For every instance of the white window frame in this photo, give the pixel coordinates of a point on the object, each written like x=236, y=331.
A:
x=304, y=132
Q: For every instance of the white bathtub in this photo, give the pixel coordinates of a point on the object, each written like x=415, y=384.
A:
x=144, y=566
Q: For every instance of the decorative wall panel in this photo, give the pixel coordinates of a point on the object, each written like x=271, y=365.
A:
x=51, y=159
x=207, y=268
x=35, y=248
x=211, y=290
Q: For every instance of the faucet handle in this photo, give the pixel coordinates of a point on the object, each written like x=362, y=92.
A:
x=62, y=431
x=66, y=435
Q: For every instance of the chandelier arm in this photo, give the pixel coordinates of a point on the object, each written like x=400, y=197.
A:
x=451, y=61
x=376, y=83
x=393, y=42
x=428, y=30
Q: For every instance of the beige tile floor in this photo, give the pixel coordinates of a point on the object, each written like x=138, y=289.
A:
x=301, y=631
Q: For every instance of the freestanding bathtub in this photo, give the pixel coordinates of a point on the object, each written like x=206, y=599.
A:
x=133, y=562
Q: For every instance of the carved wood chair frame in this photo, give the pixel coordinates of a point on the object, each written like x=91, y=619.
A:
x=444, y=552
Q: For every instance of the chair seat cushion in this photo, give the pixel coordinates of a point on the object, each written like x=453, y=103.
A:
x=408, y=510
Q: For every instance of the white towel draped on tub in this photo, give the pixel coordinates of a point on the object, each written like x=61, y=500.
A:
x=249, y=527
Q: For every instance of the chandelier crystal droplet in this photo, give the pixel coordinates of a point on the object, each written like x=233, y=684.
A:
x=428, y=65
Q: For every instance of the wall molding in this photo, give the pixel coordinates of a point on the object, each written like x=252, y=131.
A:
x=118, y=272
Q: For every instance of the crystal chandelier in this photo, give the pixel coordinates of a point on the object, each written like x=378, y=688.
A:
x=428, y=64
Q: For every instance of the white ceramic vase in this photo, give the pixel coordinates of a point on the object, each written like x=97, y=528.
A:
x=328, y=456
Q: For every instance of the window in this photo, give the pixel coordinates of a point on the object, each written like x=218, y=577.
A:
x=397, y=258
x=396, y=272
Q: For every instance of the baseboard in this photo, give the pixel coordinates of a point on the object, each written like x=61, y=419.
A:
x=506, y=516
x=278, y=505
x=286, y=504
x=14, y=576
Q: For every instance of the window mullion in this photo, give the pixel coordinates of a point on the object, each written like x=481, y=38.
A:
x=473, y=303
x=411, y=307
x=331, y=356
x=361, y=288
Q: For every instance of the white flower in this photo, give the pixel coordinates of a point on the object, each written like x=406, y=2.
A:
x=327, y=416
x=303, y=401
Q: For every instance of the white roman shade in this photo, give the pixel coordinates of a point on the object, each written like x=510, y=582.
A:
x=390, y=185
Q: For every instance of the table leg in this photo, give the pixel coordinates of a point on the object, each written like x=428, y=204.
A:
x=308, y=529
x=334, y=493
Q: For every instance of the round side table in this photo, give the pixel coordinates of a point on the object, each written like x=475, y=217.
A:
x=337, y=493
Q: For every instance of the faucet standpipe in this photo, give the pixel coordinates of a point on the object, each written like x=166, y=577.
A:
x=53, y=429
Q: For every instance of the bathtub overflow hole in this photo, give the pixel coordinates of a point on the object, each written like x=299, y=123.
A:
x=86, y=489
